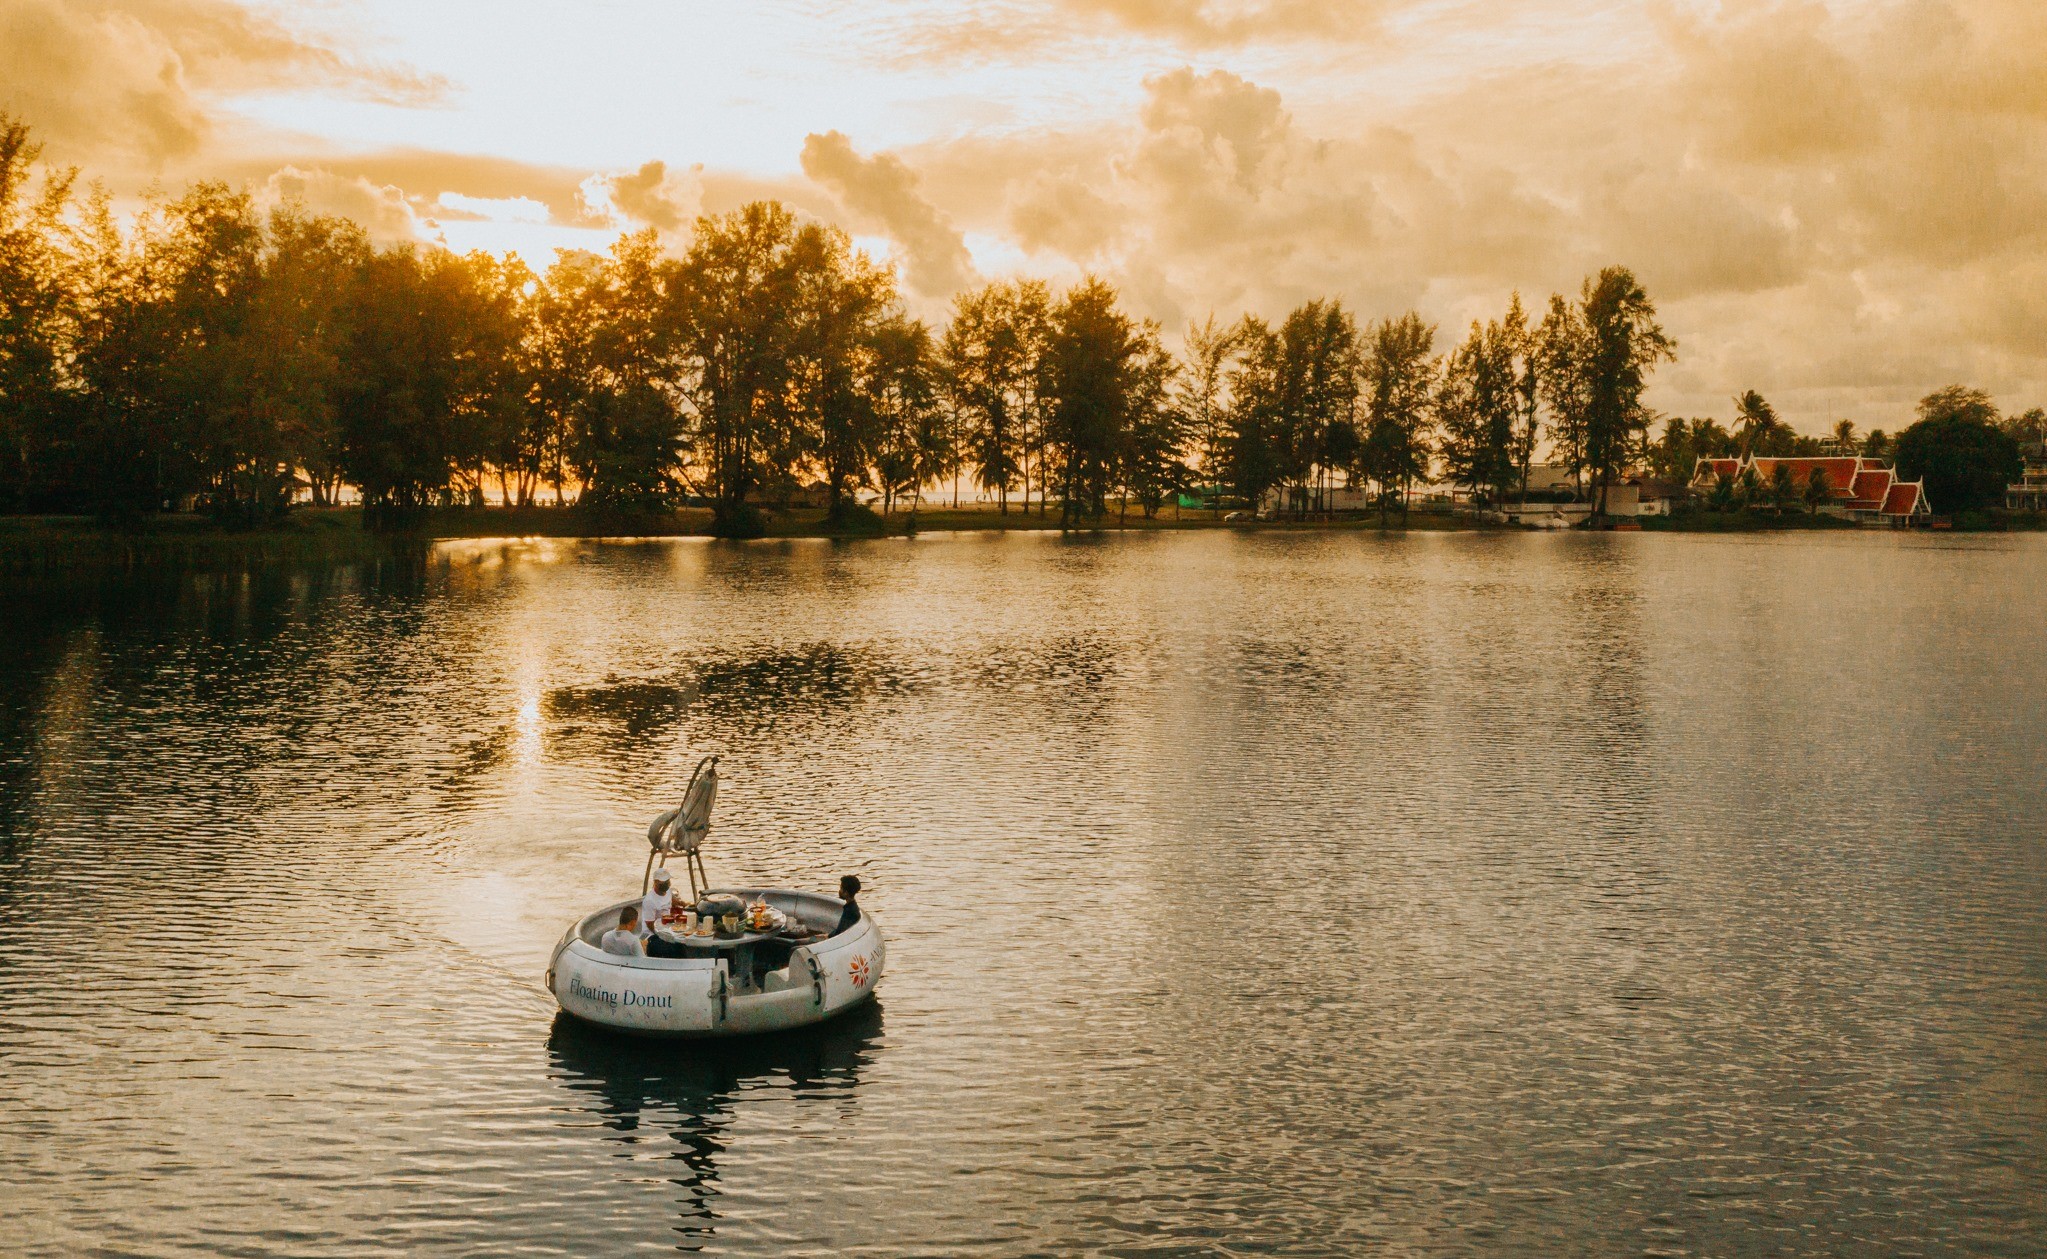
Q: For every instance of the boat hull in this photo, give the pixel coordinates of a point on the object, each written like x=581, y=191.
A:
x=696, y=997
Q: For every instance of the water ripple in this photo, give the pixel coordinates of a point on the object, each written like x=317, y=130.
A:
x=1309, y=894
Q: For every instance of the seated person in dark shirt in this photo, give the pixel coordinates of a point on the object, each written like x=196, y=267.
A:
x=662, y=944
x=849, y=887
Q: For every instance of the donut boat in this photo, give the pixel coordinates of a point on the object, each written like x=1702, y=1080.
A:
x=770, y=963
x=716, y=995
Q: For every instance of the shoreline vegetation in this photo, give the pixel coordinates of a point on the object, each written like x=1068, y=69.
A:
x=209, y=378
x=45, y=546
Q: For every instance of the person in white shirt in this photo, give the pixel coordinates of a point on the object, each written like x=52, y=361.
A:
x=624, y=939
x=657, y=904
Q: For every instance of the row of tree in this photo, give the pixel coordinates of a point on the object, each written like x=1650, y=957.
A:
x=207, y=354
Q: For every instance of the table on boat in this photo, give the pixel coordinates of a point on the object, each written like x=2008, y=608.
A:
x=744, y=960
x=718, y=943
x=711, y=946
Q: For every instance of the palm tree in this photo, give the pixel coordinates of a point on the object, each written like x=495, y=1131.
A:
x=1709, y=439
x=1818, y=489
x=1783, y=487
x=1748, y=487
x=1844, y=435
x=1757, y=420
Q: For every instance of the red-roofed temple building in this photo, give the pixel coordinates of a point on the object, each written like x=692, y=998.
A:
x=1859, y=488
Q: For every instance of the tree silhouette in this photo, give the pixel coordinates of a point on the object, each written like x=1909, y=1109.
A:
x=1957, y=448
x=1622, y=343
x=1757, y=422
x=1091, y=362
x=1400, y=380
x=1477, y=404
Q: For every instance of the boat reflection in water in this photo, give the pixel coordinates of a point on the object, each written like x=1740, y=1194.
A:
x=689, y=1093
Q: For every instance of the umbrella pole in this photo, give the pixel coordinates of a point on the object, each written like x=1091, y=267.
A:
x=647, y=879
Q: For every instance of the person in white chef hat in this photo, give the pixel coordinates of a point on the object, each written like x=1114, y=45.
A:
x=657, y=904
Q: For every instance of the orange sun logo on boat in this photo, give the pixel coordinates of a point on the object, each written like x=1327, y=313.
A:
x=860, y=971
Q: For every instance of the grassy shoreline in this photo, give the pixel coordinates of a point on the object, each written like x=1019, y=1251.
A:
x=43, y=545
x=48, y=544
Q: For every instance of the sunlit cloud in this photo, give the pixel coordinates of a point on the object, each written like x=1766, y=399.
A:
x=499, y=209
x=142, y=81
x=881, y=191
x=1003, y=29
x=652, y=195
x=383, y=210
x=1835, y=203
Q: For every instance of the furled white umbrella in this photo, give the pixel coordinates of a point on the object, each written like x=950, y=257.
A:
x=681, y=831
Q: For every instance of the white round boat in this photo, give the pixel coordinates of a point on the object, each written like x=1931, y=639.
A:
x=791, y=973
x=702, y=996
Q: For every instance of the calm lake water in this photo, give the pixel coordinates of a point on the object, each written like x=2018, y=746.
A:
x=1315, y=894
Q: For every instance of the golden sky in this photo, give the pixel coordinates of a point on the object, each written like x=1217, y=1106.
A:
x=1843, y=204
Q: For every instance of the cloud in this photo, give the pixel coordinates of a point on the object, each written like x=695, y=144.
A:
x=1001, y=29
x=494, y=209
x=1213, y=196
x=1835, y=203
x=426, y=175
x=1220, y=23
x=392, y=214
x=1215, y=120
x=653, y=195
x=1836, y=206
x=881, y=192
x=1771, y=86
x=1061, y=214
x=136, y=81
x=382, y=210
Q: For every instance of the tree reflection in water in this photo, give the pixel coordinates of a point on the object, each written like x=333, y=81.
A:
x=691, y=1086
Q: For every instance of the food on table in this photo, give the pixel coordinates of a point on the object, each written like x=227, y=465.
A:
x=761, y=916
